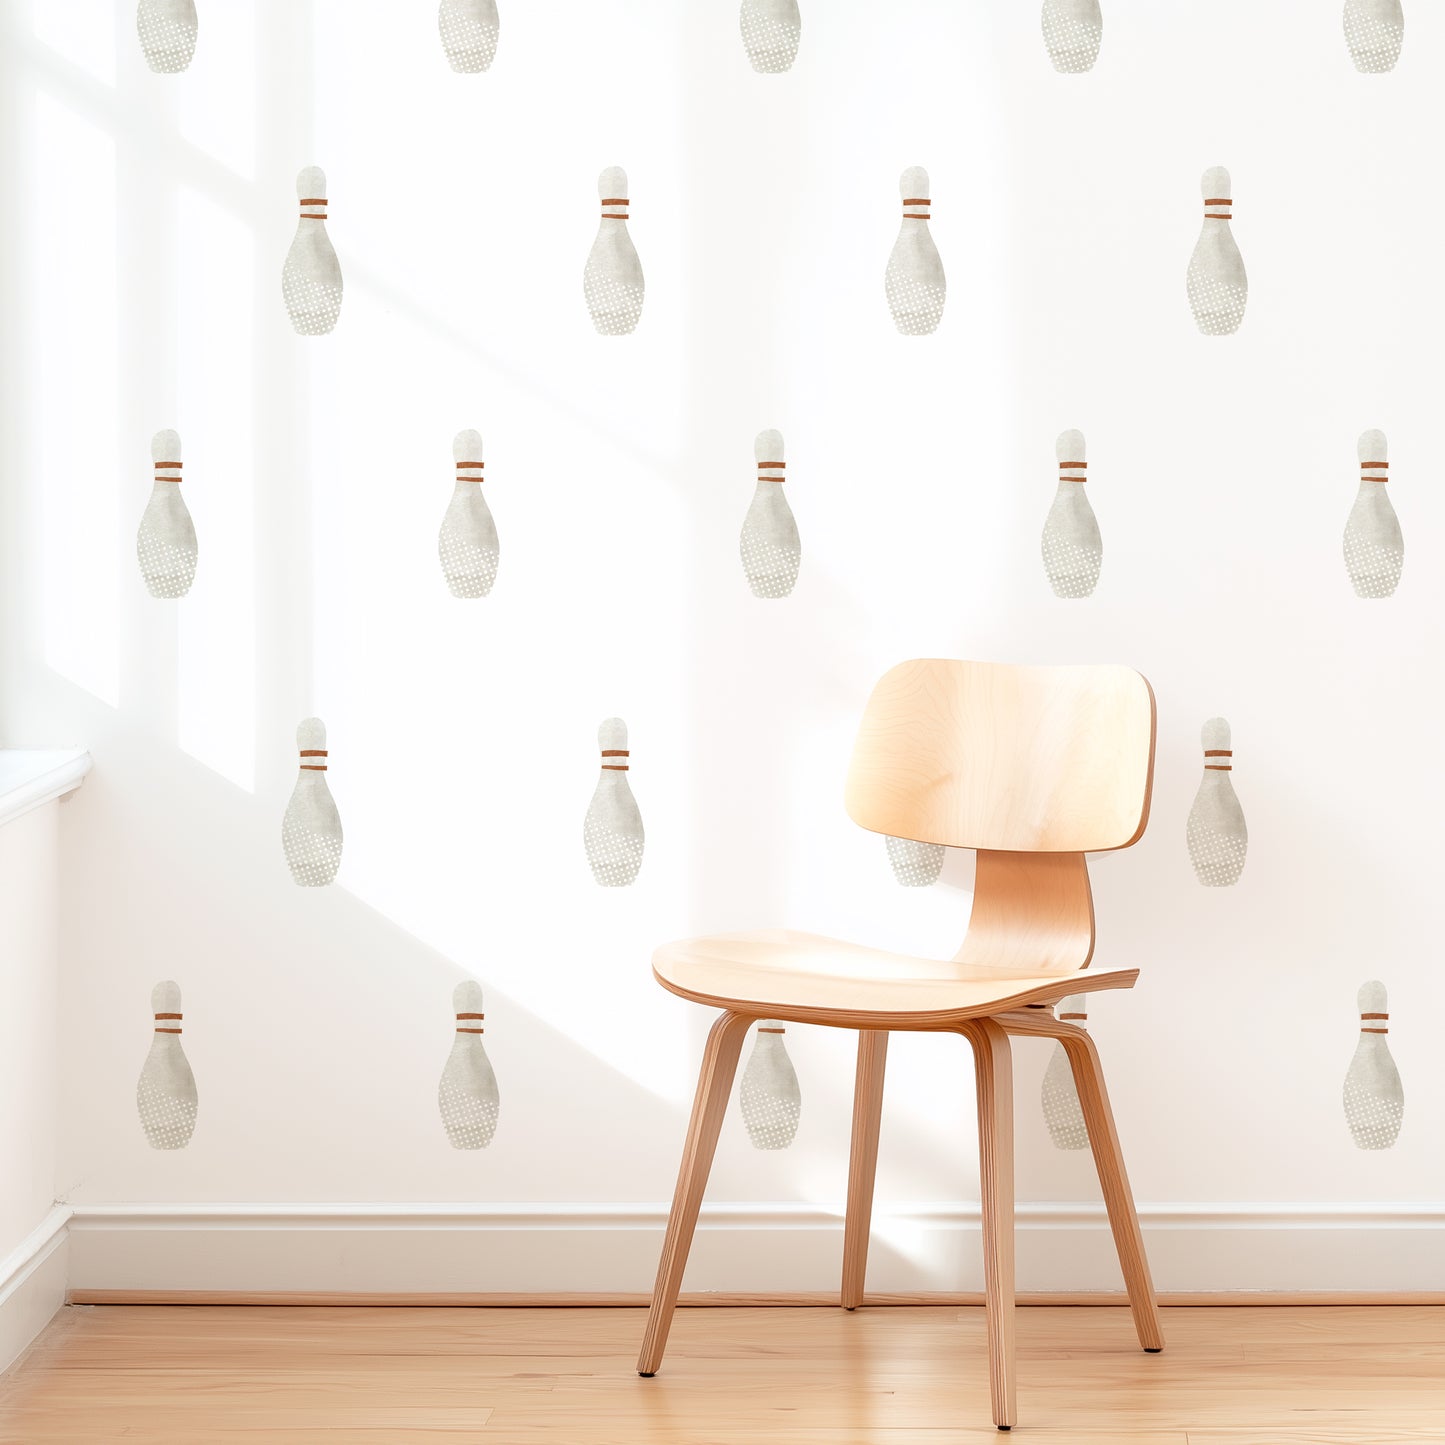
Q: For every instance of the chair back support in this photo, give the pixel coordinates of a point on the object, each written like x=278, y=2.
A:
x=1016, y=759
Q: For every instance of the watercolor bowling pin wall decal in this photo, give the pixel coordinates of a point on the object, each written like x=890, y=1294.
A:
x=612, y=831
x=769, y=1096
x=1073, y=550
x=467, y=1095
x=915, y=865
x=469, y=30
x=612, y=280
x=167, y=30
x=1374, y=545
x=914, y=282
x=1218, y=286
x=165, y=1094
x=311, y=829
x=1073, y=30
x=1374, y=31
x=1218, y=839
x=1060, y=1099
x=165, y=542
x=769, y=544
x=467, y=544
x=1374, y=1097
x=311, y=277
x=771, y=30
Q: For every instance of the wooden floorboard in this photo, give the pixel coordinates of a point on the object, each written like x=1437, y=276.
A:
x=266, y=1375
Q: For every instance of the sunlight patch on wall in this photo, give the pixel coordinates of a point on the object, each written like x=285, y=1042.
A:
x=216, y=665
x=76, y=348
x=217, y=109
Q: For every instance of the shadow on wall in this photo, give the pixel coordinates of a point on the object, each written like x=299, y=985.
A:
x=317, y=1029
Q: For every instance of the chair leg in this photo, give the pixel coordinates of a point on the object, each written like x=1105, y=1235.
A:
x=863, y=1161
x=993, y=1068
x=1118, y=1197
x=714, y=1085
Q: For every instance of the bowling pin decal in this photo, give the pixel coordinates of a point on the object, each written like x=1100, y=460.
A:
x=165, y=543
x=612, y=280
x=1217, y=836
x=915, y=865
x=914, y=280
x=1374, y=31
x=612, y=831
x=1073, y=550
x=1218, y=287
x=311, y=829
x=167, y=31
x=1060, y=1099
x=1374, y=1098
x=771, y=29
x=469, y=30
x=769, y=543
x=1374, y=546
x=165, y=1095
x=468, y=545
x=311, y=277
x=467, y=1095
x=1072, y=32
x=769, y=1093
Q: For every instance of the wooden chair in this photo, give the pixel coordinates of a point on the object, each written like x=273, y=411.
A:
x=1033, y=767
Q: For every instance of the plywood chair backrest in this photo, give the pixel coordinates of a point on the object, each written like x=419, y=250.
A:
x=1032, y=766
x=1022, y=759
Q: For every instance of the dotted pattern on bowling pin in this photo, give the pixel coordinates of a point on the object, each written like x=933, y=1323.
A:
x=314, y=306
x=771, y=1118
x=1060, y=1101
x=1218, y=858
x=772, y=1122
x=469, y=39
x=470, y=570
x=1374, y=570
x=470, y=1122
x=168, y=570
x=1073, y=44
x=312, y=857
x=1218, y=306
x=772, y=571
x=615, y=858
x=915, y=865
x=1073, y=570
x=917, y=306
x=1374, y=43
x=771, y=44
x=168, y=1122
x=615, y=306
x=167, y=42
x=1374, y=1120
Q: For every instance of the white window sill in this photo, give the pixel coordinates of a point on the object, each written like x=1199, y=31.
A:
x=32, y=777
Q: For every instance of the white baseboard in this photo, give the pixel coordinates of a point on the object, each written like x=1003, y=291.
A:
x=33, y=1279
x=568, y=1249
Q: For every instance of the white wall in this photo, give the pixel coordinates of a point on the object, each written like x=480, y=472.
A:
x=31, y=1286
x=619, y=471
x=28, y=976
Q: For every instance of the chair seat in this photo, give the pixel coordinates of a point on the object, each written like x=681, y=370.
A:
x=810, y=979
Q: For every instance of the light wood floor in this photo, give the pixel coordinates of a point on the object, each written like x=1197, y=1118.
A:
x=911, y=1376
